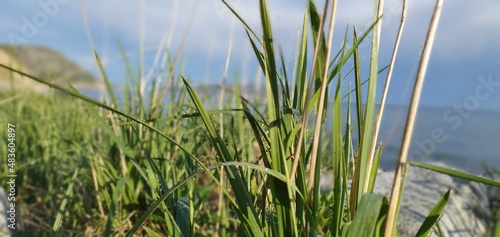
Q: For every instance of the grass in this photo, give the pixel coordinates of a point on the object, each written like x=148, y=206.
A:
x=145, y=167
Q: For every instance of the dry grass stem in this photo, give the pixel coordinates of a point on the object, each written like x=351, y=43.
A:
x=384, y=93
x=298, y=148
x=410, y=121
x=319, y=117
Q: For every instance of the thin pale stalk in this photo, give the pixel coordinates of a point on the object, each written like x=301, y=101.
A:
x=223, y=83
x=176, y=58
x=319, y=117
x=384, y=94
x=221, y=124
x=410, y=121
x=298, y=148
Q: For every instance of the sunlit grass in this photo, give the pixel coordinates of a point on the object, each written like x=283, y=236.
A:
x=170, y=165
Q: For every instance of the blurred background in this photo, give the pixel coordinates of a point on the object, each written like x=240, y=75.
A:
x=458, y=121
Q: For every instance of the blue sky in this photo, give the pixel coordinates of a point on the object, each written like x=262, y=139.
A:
x=466, y=47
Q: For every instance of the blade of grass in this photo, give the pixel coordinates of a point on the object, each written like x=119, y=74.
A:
x=314, y=23
x=338, y=166
x=62, y=208
x=378, y=120
x=117, y=193
x=102, y=71
x=374, y=170
x=315, y=163
x=457, y=173
x=365, y=222
x=251, y=226
x=319, y=117
x=301, y=72
x=412, y=112
x=282, y=194
x=359, y=183
x=433, y=218
x=358, y=88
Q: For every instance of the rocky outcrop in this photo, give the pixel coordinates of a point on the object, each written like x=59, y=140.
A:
x=466, y=213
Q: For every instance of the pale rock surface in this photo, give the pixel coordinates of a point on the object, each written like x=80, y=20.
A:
x=467, y=210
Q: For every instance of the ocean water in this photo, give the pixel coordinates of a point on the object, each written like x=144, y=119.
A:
x=460, y=139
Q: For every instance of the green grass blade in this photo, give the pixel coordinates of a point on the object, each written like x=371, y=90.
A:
x=338, y=162
x=151, y=232
x=92, y=101
x=113, y=207
x=284, y=208
x=341, y=62
x=109, y=87
x=182, y=216
x=457, y=173
x=247, y=27
x=361, y=173
x=432, y=219
x=158, y=202
x=365, y=222
x=369, y=118
x=67, y=195
x=299, y=95
x=374, y=169
x=251, y=224
x=358, y=88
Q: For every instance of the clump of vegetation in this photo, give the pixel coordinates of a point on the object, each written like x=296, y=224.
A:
x=166, y=165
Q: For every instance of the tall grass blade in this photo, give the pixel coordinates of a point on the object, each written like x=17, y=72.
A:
x=249, y=218
x=410, y=120
x=301, y=73
x=109, y=87
x=285, y=210
x=457, y=173
x=374, y=170
x=362, y=170
x=365, y=222
x=62, y=208
x=338, y=153
x=433, y=218
x=358, y=88
x=371, y=165
x=316, y=24
x=113, y=207
x=182, y=216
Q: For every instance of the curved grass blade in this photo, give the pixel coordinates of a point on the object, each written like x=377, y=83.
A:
x=248, y=213
x=151, y=232
x=457, y=173
x=432, y=219
x=104, y=75
x=95, y=102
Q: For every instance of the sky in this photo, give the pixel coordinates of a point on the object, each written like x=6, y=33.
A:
x=464, y=70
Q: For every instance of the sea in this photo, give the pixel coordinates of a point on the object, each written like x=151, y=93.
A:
x=466, y=140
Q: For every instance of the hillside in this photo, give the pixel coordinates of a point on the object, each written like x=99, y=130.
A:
x=44, y=63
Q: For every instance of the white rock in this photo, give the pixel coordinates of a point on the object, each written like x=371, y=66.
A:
x=465, y=214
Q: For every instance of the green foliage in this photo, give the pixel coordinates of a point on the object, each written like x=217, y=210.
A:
x=166, y=166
